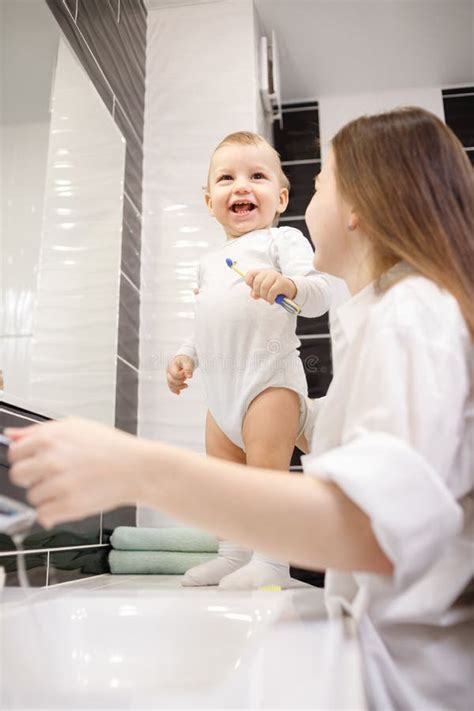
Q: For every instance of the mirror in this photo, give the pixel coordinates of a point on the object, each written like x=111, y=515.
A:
x=62, y=173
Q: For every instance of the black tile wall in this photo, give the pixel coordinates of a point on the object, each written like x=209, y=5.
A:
x=36, y=565
x=73, y=537
x=109, y=39
x=301, y=177
x=459, y=115
x=316, y=356
x=298, y=145
x=298, y=139
x=127, y=387
x=132, y=227
x=129, y=315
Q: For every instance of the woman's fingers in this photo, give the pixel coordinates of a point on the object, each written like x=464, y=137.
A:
x=27, y=472
x=16, y=433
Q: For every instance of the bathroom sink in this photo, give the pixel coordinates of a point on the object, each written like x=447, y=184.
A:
x=147, y=649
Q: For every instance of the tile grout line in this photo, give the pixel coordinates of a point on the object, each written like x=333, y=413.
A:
x=89, y=49
x=78, y=580
x=133, y=204
x=302, y=161
x=28, y=551
x=130, y=281
x=119, y=357
x=129, y=121
x=47, y=570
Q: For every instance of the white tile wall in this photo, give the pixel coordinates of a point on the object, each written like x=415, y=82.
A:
x=201, y=85
x=75, y=311
x=336, y=111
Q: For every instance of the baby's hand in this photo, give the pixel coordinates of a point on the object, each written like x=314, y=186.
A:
x=178, y=371
x=267, y=284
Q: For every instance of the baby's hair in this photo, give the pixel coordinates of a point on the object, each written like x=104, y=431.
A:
x=408, y=178
x=247, y=138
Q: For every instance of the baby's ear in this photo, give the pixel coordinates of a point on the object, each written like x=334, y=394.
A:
x=283, y=200
x=208, y=201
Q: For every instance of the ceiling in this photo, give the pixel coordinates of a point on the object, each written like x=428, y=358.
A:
x=330, y=47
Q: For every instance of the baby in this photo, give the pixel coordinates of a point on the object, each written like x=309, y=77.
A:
x=245, y=343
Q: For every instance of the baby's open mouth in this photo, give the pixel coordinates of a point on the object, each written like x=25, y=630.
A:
x=242, y=208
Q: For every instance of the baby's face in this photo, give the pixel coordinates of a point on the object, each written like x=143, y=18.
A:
x=244, y=189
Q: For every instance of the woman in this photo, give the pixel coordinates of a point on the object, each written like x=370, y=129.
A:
x=387, y=501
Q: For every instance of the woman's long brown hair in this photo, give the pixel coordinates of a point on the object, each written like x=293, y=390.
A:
x=409, y=180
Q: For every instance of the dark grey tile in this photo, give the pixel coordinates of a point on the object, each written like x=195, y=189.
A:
x=458, y=90
x=317, y=363
x=302, y=179
x=134, y=14
x=299, y=137
x=78, y=533
x=296, y=458
x=310, y=104
x=129, y=322
x=72, y=7
x=11, y=416
x=459, y=116
x=311, y=577
x=67, y=25
x=126, y=401
x=75, y=564
x=309, y=326
x=131, y=242
x=120, y=50
x=115, y=8
x=124, y=516
x=133, y=159
x=36, y=567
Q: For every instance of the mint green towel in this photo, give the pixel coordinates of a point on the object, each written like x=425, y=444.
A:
x=154, y=562
x=173, y=538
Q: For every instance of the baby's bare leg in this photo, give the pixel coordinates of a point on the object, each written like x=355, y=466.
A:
x=231, y=555
x=269, y=432
x=271, y=427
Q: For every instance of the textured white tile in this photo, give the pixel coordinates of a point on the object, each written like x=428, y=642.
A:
x=201, y=85
x=75, y=312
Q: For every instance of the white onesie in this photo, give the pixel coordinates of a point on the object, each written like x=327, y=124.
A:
x=244, y=346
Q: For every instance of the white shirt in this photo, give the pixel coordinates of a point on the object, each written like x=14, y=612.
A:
x=243, y=345
x=396, y=433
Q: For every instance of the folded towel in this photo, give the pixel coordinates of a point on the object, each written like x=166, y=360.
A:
x=154, y=562
x=173, y=538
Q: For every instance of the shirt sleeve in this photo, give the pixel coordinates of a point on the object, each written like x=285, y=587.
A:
x=294, y=258
x=402, y=427
x=188, y=346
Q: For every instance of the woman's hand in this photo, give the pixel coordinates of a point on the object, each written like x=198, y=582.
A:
x=267, y=284
x=73, y=468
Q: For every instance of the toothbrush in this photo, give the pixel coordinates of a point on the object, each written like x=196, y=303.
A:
x=291, y=306
x=4, y=440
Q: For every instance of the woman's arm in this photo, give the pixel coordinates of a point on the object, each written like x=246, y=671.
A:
x=75, y=468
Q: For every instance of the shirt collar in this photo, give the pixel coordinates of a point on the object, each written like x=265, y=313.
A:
x=351, y=315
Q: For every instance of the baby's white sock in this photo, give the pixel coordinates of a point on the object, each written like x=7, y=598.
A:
x=230, y=557
x=261, y=570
